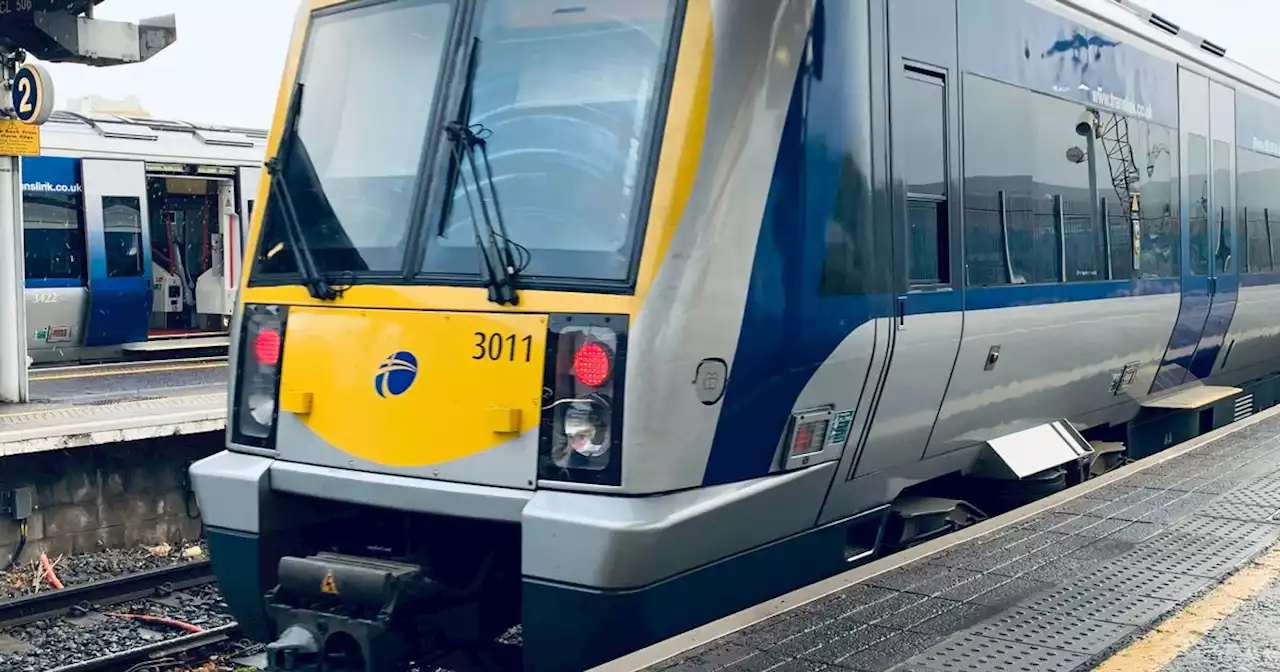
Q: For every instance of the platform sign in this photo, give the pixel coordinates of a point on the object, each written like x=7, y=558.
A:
x=19, y=139
x=32, y=94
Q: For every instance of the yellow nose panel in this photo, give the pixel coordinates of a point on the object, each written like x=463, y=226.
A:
x=412, y=389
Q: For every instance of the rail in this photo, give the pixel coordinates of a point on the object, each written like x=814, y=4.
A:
x=124, y=659
x=138, y=585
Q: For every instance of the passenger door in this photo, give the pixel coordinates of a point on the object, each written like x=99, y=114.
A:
x=1224, y=284
x=249, y=181
x=118, y=242
x=929, y=315
x=924, y=333
x=1209, y=278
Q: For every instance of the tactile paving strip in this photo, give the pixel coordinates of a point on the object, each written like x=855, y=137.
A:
x=1248, y=495
x=1102, y=605
x=1053, y=630
x=1125, y=578
x=110, y=409
x=1199, y=555
x=1239, y=511
x=1226, y=528
x=973, y=653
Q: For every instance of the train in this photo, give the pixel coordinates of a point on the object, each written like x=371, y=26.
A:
x=133, y=233
x=630, y=314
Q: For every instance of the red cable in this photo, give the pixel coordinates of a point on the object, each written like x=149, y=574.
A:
x=49, y=573
x=159, y=620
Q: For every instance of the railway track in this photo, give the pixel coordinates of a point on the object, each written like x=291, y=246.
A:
x=93, y=600
x=166, y=649
x=82, y=598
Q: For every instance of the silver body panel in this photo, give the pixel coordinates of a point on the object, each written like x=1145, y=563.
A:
x=1056, y=361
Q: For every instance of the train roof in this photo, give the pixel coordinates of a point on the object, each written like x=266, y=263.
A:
x=1142, y=22
x=72, y=134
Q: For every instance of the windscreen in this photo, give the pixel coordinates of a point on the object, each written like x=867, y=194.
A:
x=368, y=79
x=565, y=96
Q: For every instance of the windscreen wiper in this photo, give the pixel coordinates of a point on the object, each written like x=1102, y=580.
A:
x=317, y=286
x=497, y=250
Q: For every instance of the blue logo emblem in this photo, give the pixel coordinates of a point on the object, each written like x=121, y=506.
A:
x=396, y=374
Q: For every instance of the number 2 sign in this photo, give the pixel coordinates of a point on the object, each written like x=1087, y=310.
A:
x=32, y=94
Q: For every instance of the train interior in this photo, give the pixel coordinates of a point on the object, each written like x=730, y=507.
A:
x=186, y=253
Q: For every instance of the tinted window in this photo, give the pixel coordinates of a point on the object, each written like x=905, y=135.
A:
x=1138, y=193
x=920, y=111
x=122, y=229
x=1027, y=198
x=53, y=236
x=1031, y=212
x=1259, y=209
x=369, y=83
x=997, y=175
x=1198, y=192
x=1224, y=258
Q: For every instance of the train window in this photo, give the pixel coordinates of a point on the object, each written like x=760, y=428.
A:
x=1063, y=217
x=1224, y=258
x=122, y=229
x=1138, y=189
x=1198, y=190
x=920, y=110
x=570, y=102
x=1032, y=213
x=353, y=162
x=53, y=236
x=1259, y=210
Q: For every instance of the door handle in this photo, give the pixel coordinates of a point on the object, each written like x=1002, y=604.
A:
x=902, y=312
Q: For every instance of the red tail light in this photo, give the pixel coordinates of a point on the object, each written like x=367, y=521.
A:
x=257, y=380
x=582, y=417
x=592, y=364
x=266, y=347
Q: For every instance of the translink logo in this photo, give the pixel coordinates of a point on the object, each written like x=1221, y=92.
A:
x=49, y=187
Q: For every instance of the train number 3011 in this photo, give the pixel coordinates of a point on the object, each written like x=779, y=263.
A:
x=497, y=347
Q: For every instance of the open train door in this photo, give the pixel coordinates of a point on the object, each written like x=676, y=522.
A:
x=250, y=178
x=119, y=244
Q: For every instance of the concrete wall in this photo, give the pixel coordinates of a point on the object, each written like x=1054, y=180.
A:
x=114, y=496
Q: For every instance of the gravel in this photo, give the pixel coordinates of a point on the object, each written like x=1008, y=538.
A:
x=52, y=643
x=86, y=567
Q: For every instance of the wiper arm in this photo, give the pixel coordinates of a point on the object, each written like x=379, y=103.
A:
x=317, y=286
x=497, y=259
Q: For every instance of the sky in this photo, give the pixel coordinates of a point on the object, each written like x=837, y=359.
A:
x=1232, y=24
x=225, y=66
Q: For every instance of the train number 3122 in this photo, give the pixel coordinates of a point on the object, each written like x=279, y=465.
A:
x=497, y=347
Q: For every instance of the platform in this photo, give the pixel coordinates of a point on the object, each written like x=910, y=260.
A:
x=178, y=344
x=1062, y=585
x=90, y=405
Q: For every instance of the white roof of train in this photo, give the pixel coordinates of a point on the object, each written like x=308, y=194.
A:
x=1137, y=20
x=103, y=136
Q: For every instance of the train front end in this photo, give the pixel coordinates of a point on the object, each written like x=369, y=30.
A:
x=468, y=203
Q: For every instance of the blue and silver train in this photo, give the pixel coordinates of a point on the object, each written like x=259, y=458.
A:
x=132, y=234
x=616, y=316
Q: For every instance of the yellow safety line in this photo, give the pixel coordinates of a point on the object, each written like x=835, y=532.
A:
x=127, y=372
x=70, y=407
x=1160, y=646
